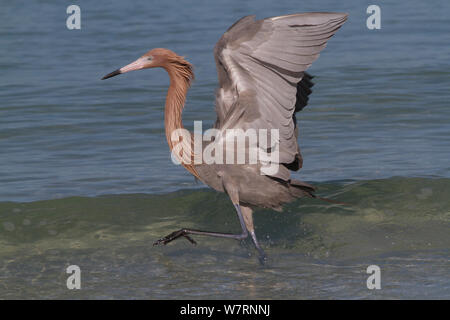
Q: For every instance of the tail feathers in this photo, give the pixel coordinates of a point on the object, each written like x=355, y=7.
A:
x=302, y=184
x=301, y=188
x=332, y=201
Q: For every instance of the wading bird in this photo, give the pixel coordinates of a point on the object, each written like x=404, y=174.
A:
x=262, y=84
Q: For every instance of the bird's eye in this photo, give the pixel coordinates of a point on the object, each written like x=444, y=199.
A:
x=150, y=58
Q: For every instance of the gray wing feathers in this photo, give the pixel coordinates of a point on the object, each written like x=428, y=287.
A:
x=259, y=65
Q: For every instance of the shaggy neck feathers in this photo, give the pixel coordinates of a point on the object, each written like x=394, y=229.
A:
x=181, y=75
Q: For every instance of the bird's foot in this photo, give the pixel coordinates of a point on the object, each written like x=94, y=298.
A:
x=262, y=258
x=173, y=236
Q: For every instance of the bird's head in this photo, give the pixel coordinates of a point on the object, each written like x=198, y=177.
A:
x=158, y=57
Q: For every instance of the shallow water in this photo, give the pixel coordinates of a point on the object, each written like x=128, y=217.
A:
x=86, y=176
x=315, y=250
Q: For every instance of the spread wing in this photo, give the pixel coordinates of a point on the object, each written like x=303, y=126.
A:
x=262, y=81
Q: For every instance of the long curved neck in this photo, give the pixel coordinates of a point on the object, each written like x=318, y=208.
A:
x=181, y=75
x=175, y=100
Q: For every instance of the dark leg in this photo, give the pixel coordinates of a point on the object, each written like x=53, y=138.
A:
x=262, y=254
x=247, y=212
x=186, y=232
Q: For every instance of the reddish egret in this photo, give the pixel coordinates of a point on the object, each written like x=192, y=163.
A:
x=262, y=84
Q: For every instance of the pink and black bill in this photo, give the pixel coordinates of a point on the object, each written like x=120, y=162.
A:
x=112, y=74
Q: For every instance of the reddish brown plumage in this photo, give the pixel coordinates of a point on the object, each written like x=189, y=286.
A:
x=181, y=76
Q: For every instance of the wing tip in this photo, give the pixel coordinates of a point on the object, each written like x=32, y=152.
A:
x=315, y=17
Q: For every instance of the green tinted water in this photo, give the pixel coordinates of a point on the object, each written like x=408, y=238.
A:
x=316, y=250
